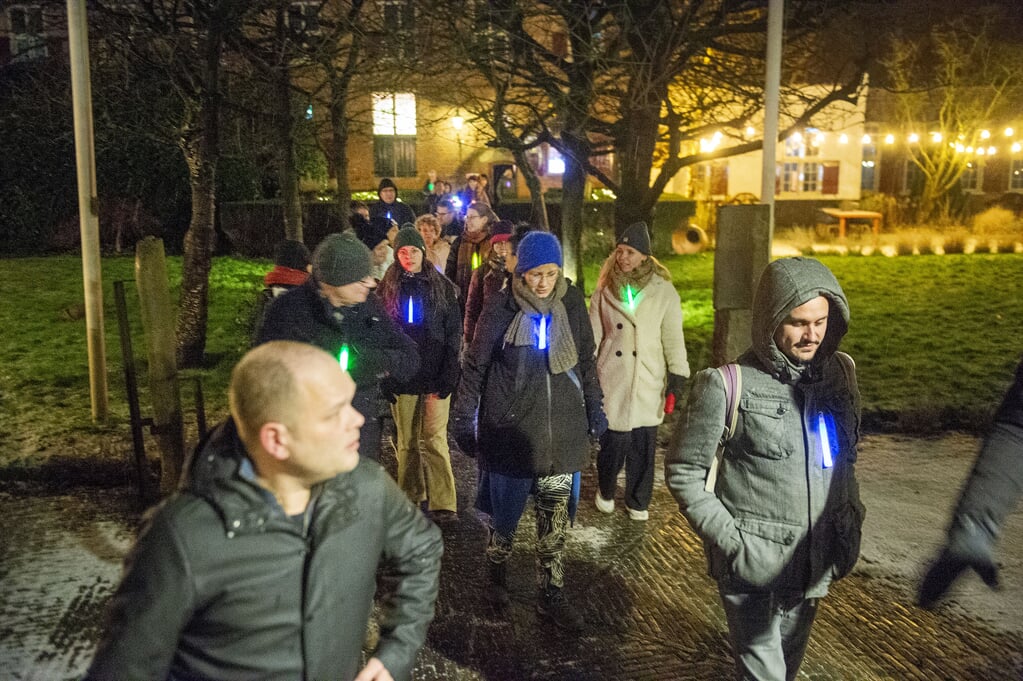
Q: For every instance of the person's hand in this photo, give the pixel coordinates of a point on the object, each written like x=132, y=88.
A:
x=673, y=392
x=374, y=671
x=598, y=423
x=946, y=568
x=463, y=430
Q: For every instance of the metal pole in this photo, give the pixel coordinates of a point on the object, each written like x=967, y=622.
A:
x=772, y=85
x=88, y=209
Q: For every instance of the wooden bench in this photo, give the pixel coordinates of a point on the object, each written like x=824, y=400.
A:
x=843, y=216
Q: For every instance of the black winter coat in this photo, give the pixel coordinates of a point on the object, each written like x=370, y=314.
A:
x=437, y=331
x=530, y=422
x=376, y=345
x=221, y=584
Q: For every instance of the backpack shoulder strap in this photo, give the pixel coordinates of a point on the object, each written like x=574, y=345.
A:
x=849, y=368
x=731, y=376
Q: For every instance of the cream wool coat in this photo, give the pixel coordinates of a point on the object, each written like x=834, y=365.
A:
x=636, y=351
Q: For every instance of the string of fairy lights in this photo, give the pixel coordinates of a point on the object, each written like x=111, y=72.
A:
x=980, y=143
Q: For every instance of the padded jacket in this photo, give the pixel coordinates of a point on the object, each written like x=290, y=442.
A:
x=530, y=422
x=785, y=515
x=222, y=585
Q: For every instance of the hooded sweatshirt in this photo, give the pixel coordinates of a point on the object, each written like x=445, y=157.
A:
x=785, y=514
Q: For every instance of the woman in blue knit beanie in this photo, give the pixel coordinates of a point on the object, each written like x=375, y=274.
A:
x=530, y=374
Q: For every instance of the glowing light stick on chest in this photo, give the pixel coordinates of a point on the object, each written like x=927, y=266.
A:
x=541, y=335
x=342, y=357
x=630, y=297
x=475, y=260
x=824, y=437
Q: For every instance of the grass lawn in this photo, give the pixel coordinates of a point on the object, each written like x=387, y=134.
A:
x=935, y=339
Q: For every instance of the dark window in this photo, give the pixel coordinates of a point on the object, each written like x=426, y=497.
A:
x=394, y=155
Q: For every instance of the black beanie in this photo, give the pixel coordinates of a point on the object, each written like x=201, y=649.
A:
x=341, y=259
x=293, y=254
x=386, y=183
x=636, y=236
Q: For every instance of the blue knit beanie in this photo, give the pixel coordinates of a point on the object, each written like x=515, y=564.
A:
x=538, y=248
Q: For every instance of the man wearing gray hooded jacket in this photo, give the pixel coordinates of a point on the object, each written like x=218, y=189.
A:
x=783, y=518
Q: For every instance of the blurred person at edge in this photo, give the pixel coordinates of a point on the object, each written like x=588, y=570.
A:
x=636, y=315
x=389, y=205
x=782, y=518
x=422, y=301
x=264, y=563
x=988, y=497
x=471, y=249
x=527, y=403
x=437, y=250
x=335, y=310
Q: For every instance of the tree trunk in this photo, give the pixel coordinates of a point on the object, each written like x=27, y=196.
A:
x=538, y=214
x=200, y=144
x=199, y=242
x=291, y=200
x=635, y=200
x=339, y=151
x=573, y=190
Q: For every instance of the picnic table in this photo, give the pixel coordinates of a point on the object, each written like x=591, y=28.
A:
x=844, y=216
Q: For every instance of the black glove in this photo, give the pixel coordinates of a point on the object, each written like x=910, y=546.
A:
x=676, y=386
x=598, y=423
x=946, y=569
x=463, y=430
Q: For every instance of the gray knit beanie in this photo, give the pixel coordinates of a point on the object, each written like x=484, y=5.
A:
x=341, y=259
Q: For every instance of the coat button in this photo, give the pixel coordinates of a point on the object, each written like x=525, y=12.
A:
x=619, y=325
x=618, y=353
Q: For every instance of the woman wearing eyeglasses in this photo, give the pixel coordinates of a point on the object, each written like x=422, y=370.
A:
x=530, y=374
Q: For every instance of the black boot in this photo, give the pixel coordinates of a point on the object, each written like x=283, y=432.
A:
x=554, y=607
x=496, y=591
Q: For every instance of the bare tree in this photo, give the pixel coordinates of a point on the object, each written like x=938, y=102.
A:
x=947, y=88
x=642, y=79
x=186, y=44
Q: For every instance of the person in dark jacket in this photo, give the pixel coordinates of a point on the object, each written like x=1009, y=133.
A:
x=488, y=279
x=530, y=375
x=451, y=225
x=389, y=206
x=264, y=564
x=991, y=492
x=291, y=269
x=423, y=302
x=336, y=311
x=781, y=518
x=471, y=249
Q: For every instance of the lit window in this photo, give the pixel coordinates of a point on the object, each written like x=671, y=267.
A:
x=555, y=162
x=394, y=134
x=394, y=114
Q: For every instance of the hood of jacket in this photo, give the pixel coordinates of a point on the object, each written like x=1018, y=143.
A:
x=785, y=285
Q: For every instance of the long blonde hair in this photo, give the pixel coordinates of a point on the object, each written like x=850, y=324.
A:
x=607, y=270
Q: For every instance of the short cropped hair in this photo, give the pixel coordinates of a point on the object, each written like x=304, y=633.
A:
x=265, y=385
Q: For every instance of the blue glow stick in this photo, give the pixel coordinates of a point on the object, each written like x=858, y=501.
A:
x=411, y=318
x=541, y=340
x=825, y=439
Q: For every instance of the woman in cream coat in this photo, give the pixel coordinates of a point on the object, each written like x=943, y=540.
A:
x=636, y=316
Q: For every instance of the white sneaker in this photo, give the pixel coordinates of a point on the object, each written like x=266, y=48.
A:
x=604, y=505
x=637, y=515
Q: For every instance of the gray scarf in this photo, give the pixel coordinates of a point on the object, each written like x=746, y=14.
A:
x=561, y=351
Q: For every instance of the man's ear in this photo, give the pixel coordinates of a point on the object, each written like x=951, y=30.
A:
x=275, y=438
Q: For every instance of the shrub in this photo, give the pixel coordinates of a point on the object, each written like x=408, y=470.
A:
x=995, y=220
